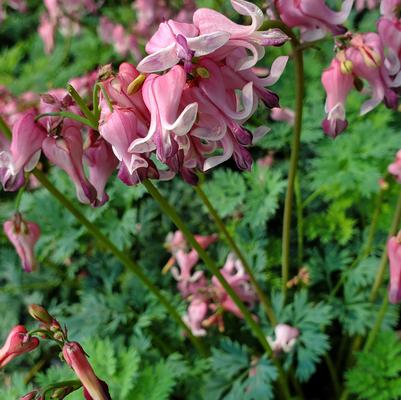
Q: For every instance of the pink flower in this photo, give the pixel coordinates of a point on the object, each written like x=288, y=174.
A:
x=24, y=151
x=389, y=8
x=313, y=17
x=369, y=4
x=337, y=85
x=149, y=14
x=210, y=21
x=162, y=96
x=395, y=167
x=23, y=235
x=67, y=153
x=234, y=273
x=196, y=315
x=75, y=357
x=101, y=163
x=366, y=55
x=283, y=115
x=176, y=41
x=18, y=342
x=394, y=255
x=285, y=338
x=46, y=32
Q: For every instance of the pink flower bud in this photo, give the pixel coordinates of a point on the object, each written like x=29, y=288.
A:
x=32, y=396
x=285, y=338
x=75, y=357
x=395, y=167
x=18, y=342
x=23, y=235
x=394, y=255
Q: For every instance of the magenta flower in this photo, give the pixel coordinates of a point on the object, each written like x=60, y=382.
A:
x=162, y=96
x=337, y=85
x=389, y=8
x=196, y=315
x=23, y=235
x=18, y=342
x=46, y=32
x=75, y=357
x=67, y=153
x=176, y=41
x=24, y=151
x=101, y=164
x=248, y=37
x=285, y=338
x=394, y=255
x=313, y=17
x=395, y=167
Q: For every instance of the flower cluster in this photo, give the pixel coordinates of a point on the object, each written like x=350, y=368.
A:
x=150, y=125
x=20, y=341
x=208, y=300
x=370, y=57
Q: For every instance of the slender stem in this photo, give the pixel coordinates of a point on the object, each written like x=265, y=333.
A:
x=70, y=115
x=231, y=242
x=299, y=97
x=19, y=195
x=82, y=104
x=383, y=262
x=123, y=257
x=376, y=328
x=210, y=264
x=333, y=374
x=300, y=221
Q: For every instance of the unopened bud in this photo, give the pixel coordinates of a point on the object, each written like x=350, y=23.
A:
x=40, y=314
x=48, y=98
x=346, y=67
x=203, y=72
x=62, y=392
x=30, y=396
x=136, y=84
x=383, y=184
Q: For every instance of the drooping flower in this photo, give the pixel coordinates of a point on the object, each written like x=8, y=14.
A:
x=285, y=338
x=67, y=153
x=313, y=17
x=23, y=235
x=390, y=8
x=25, y=147
x=337, y=85
x=18, y=342
x=177, y=41
x=395, y=167
x=196, y=315
x=394, y=255
x=75, y=357
x=283, y=114
x=248, y=37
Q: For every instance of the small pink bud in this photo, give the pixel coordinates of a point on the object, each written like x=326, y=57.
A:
x=17, y=343
x=394, y=255
x=75, y=357
x=31, y=396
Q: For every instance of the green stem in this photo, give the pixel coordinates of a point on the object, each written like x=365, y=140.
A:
x=300, y=221
x=383, y=262
x=122, y=256
x=296, y=141
x=19, y=195
x=376, y=328
x=333, y=374
x=231, y=242
x=81, y=104
x=70, y=115
x=210, y=264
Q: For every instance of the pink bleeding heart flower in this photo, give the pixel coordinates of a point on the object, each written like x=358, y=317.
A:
x=395, y=167
x=23, y=235
x=121, y=128
x=67, y=153
x=46, y=32
x=390, y=8
x=18, y=342
x=285, y=338
x=283, y=114
x=313, y=17
x=24, y=151
x=101, y=164
x=177, y=41
x=366, y=55
x=162, y=96
x=75, y=357
x=249, y=37
x=196, y=315
x=337, y=85
x=394, y=255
